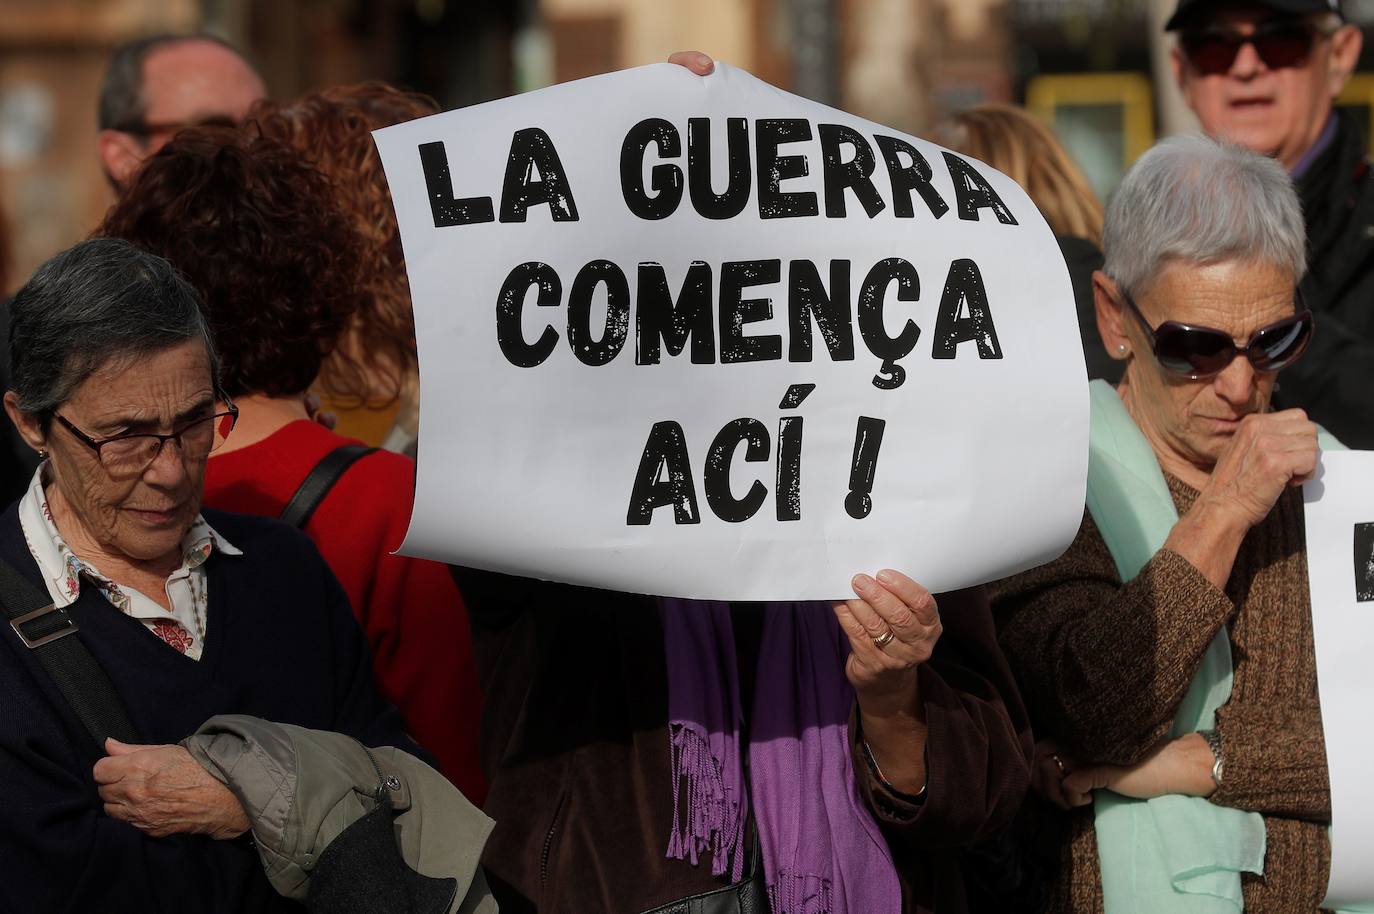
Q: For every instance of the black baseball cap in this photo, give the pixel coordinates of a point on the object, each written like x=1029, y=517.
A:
x=1188, y=11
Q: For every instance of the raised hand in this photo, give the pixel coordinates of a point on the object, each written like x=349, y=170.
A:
x=1268, y=453
x=892, y=629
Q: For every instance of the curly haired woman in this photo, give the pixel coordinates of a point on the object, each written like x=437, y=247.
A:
x=371, y=381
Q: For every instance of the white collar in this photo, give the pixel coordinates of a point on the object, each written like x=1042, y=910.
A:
x=62, y=570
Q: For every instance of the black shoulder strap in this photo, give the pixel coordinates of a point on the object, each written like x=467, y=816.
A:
x=321, y=479
x=43, y=628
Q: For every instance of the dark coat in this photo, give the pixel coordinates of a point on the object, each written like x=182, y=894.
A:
x=281, y=644
x=575, y=744
x=1334, y=381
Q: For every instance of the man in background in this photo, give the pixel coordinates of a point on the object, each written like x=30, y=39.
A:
x=157, y=85
x=153, y=87
x=1265, y=74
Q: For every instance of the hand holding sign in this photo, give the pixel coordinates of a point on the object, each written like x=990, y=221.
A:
x=696, y=337
x=695, y=61
x=892, y=629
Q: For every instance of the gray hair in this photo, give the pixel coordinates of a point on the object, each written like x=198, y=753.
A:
x=1198, y=200
x=123, y=104
x=92, y=304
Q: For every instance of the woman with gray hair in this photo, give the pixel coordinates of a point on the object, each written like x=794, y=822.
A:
x=135, y=618
x=1167, y=656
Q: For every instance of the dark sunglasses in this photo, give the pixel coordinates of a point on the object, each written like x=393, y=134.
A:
x=1201, y=352
x=1279, y=43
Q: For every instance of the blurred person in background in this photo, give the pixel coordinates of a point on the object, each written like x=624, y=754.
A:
x=157, y=85
x=371, y=380
x=1265, y=74
x=1025, y=150
x=279, y=268
x=153, y=86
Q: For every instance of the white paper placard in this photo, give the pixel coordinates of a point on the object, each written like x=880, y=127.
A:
x=654, y=363
x=1340, y=560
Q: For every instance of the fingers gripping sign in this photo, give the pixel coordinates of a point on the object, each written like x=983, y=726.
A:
x=892, y=628
x=699, y=63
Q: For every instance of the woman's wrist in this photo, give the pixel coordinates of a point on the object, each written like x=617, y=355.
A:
x=894, y=740
x=1208, y=537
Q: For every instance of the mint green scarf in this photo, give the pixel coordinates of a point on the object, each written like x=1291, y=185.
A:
x=1172, y=853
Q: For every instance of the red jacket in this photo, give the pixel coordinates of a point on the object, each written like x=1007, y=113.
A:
x=411, y=610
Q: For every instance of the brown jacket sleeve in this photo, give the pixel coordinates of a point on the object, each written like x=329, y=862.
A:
x=978, y=743
x=1275, y=762
x=1104, y=666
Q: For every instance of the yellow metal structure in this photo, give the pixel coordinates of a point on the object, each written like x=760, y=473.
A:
x=1132, y=92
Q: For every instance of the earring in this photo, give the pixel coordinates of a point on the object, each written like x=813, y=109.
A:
x=1121, y=348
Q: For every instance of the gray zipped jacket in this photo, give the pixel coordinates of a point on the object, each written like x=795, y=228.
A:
x=346, y=829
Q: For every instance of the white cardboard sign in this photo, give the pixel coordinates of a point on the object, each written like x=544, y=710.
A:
x=1340, y=565
x=698, y=337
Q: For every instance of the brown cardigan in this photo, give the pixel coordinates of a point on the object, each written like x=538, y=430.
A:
x=575, y=744
x=1103, y=668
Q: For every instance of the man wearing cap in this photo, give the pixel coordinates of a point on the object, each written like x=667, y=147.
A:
x=1265, y=74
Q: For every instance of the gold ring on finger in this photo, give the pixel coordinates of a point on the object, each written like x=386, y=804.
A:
x=884, y=639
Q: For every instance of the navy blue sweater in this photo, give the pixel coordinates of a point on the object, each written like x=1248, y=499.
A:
x=281, y=644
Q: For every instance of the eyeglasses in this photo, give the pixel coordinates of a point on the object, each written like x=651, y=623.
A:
x=1201, y=352
x=132, y=453
x=149, y=128
x=1279, y=43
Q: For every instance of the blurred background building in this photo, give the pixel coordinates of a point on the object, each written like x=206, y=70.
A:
x=1095, y=69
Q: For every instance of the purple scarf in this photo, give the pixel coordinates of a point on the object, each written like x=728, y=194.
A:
x=822, y=851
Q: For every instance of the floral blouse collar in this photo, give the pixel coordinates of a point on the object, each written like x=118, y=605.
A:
x=63, y=570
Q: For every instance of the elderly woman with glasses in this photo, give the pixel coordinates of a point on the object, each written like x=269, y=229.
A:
x=154, y=615
x=1167, y=656
x=281, y=273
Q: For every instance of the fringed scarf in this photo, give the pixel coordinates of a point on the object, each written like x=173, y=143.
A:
x=822, y=850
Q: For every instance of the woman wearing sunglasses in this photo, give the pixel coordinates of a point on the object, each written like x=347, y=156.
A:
x=1167, y=656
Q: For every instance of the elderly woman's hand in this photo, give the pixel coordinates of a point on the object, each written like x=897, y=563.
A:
x=892, y=629
x=1268, y=453
x=1179, y=766
x=162, y=790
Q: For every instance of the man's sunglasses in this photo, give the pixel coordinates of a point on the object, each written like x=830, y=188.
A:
x=1201, y=352
x=1279, y=43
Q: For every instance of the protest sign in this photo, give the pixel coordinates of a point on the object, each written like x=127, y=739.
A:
x=1340, y=566
x=698, y=337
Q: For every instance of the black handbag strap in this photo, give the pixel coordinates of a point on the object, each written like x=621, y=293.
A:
x=44, y=629
x=320, y=480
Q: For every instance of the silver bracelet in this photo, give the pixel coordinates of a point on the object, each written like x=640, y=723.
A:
x=878, y=773
x=1214, y=743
